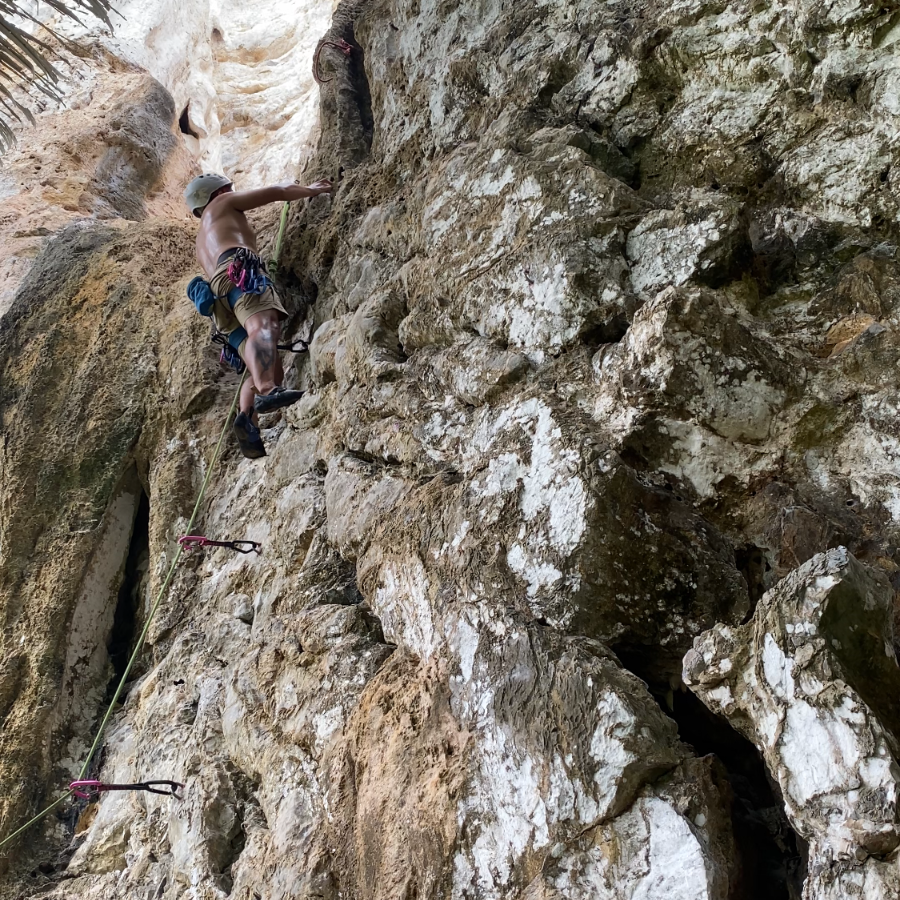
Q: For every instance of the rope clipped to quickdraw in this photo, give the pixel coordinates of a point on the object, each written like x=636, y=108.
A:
x=297, y=345
x=340, y=45
x=141, y=638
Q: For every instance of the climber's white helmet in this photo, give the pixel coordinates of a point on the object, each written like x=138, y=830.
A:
x=198, y=192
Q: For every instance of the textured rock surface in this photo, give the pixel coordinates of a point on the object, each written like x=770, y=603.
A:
x=813, y=681
x=604, y=314
x=233, y=91
x=112, y=153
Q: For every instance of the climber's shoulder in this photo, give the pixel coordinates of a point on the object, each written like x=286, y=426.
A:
x=221, y=206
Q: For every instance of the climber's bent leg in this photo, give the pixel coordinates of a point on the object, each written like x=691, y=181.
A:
x=248, y=436
x=264, y=329
x=246, y=423
x=248, y=392
x=261, y=353
x=262, y=315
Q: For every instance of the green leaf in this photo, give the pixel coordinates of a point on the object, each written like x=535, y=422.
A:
x=25, y=60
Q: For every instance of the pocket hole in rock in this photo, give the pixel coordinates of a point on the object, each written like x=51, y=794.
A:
x=184, y=122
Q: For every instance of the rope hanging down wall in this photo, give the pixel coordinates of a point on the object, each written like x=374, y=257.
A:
x=141, y=638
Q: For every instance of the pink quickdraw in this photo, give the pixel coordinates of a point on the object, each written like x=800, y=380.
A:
x=91, y=790
x=237, y=274
x=340, y=45
x=191, y=542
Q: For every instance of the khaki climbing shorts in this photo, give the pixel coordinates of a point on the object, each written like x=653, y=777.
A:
x=228, y=318
x=250, y=304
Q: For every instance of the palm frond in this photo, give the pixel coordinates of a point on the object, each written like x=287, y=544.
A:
x=25, y=60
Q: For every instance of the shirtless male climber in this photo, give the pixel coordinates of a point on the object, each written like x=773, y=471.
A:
x=239, y=295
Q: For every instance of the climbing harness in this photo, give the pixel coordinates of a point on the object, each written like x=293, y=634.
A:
x=248, y=273
x=231, y=358
x=191, y=542
x=340, y=45
x=141, y=637
x=91, y=790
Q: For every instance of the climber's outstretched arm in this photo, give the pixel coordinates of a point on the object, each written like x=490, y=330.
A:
x=244, y=200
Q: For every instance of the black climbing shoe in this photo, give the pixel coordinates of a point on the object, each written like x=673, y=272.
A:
x=248, y=437
x=277, y=398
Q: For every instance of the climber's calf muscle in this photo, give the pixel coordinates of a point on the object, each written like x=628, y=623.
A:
x=263, y=331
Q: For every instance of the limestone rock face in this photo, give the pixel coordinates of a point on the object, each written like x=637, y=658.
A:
x=674, y=841
x=812, y=681
x=600, y=399
x=240, y=75
x=113, y=153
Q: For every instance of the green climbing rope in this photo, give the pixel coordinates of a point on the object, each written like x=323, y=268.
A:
x=140, y=641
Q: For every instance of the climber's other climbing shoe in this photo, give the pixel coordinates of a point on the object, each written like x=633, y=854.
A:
x=248, y=437
x=277, y=398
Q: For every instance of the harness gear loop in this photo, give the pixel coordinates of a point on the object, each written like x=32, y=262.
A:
x=91, y=790
x=247, y=271
x=229, y=356
x=341, y=45
x=191, y=542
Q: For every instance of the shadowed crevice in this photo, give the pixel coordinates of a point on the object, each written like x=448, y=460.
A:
x=772, y=857
x=184, y=122
x=126, y=621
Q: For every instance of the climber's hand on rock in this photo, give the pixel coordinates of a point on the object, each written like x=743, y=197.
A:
x=293, y=190
x=323, y=186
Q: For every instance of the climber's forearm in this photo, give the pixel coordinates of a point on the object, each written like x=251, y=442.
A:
x=277, y=193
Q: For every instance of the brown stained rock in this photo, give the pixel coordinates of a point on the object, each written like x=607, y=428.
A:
x=73, y=416
x=812, y=680
x=510, y=746
x=111, y=152
x=843, y=332
x=383, y=843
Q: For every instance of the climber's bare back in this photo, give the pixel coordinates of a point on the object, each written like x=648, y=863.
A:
x=221, y=228
x=223, y=224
